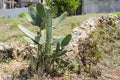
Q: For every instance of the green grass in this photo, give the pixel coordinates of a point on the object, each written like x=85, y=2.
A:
x=9, y=31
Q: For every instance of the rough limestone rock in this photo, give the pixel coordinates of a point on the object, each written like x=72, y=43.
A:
x=18, y=49
x=83, y=31
x=1, y=46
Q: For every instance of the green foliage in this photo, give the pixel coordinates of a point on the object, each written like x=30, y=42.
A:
x=73, y=24
x=60, y=6
x=66, y=40
x=14, y=24
x=117, y=14
x=21, y=15
x=47, y=57
x=75, y=66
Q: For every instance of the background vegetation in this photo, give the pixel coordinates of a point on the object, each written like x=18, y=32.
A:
x=60, y=6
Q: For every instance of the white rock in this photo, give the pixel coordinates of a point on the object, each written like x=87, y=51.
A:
x=1, y=48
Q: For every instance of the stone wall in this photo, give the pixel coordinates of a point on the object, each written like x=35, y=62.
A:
x=12, y=12
x=95, y=6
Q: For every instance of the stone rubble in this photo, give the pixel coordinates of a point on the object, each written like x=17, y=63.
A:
x=18, y=49
x=83, y=31
x=79, y=33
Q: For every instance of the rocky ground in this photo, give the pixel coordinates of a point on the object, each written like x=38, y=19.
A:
x=19, y=62
x=83, y=31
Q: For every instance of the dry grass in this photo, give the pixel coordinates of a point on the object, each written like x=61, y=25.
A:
x=10, y=33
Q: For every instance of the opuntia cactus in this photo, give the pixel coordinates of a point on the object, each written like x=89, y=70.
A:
x=41, y=17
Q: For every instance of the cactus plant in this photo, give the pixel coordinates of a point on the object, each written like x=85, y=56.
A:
x=41, y=17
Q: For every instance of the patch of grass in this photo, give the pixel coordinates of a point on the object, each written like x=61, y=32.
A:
x=15, y=23
x=21, y=15
x=8, y=26
x=73, y=24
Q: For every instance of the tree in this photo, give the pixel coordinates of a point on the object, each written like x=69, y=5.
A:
x=59, y=6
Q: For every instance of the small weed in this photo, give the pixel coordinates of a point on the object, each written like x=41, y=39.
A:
x=14, y=24
x=117, y=14
x=73, y=24
x=21, y=15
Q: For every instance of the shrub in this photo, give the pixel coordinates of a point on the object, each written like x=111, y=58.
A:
x=59, y=6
